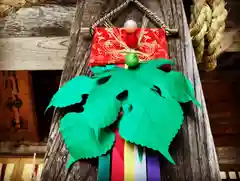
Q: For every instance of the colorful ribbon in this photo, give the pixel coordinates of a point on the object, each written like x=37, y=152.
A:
x=129, y=159
x=153, y=166
x=129, y=163
x=104, y=167
x=140, y=164
x=117, y=171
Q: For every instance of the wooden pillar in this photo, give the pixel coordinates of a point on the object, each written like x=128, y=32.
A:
x=193, y=149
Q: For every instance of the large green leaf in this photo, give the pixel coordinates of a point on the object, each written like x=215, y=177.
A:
x=180, y=88
x=172, y=84
x=97, y=70
x=102, y=108
x=151, y=120
x=149, y=96
x=71, y=92
x=81, y=140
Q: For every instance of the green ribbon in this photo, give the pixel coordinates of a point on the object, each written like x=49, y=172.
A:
x=104, y=170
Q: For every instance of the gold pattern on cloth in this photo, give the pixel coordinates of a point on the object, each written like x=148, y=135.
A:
x=108, y=45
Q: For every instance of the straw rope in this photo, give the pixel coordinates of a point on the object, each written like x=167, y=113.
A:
x=206, y=28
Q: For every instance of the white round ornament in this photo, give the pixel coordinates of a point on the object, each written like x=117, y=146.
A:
x=130, y=26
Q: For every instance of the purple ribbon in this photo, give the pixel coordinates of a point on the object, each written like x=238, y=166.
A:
x=153, y=166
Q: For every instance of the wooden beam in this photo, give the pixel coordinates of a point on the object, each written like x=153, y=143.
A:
x=232, y=27
x=193, y=149
x=235, y=47
x=227, y=140
x=231, y=41
x=22, y=148
x=21, y=3
x=228, y=155
x=34, y=53
x=35, y=38
x=45, y=21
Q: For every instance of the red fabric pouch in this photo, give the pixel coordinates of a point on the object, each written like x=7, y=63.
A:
x=105, y=47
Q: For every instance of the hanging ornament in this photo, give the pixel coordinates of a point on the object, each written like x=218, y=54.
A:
x=131, y=60
x=130, y=26
x=128, y=112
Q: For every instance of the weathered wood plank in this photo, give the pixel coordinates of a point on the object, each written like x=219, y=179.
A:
x=231, y=41
x=227, y=140
x=48, y=53
x=49, y=20
x=42, y=38
x=35, y=53
x=193, y=149
x=24, y=3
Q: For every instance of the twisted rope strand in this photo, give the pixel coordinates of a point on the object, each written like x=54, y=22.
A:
x=206, y=28
x=200, y=21
x=215, y=33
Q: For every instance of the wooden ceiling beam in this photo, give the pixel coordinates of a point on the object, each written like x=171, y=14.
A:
x=40, y=21
x=35, y=38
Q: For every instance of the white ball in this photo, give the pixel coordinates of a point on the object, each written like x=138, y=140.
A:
x=130, y=24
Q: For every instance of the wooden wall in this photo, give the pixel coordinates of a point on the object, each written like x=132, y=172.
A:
x=222, y=94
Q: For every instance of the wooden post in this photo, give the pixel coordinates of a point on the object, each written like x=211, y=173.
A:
x=193, y=149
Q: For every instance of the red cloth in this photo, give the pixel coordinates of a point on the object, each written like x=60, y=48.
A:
x=117, y=165
x=104, y=45
x=131, y=40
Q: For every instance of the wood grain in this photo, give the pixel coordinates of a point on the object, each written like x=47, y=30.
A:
x=35, y=53
x=231, y=40
x=221, y=89
x=49, y=20
x=193, y=149
x=35, y=38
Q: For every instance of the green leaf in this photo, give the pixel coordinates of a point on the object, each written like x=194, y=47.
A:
x=156, y=77
x=180, y=87
x=153, y=120
x=172, y=84
x=150, y=100
x=70, y=161
x=156, y=63
x=71, y=92
x=101, y=109
x=81, y=140
x=101, y=69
